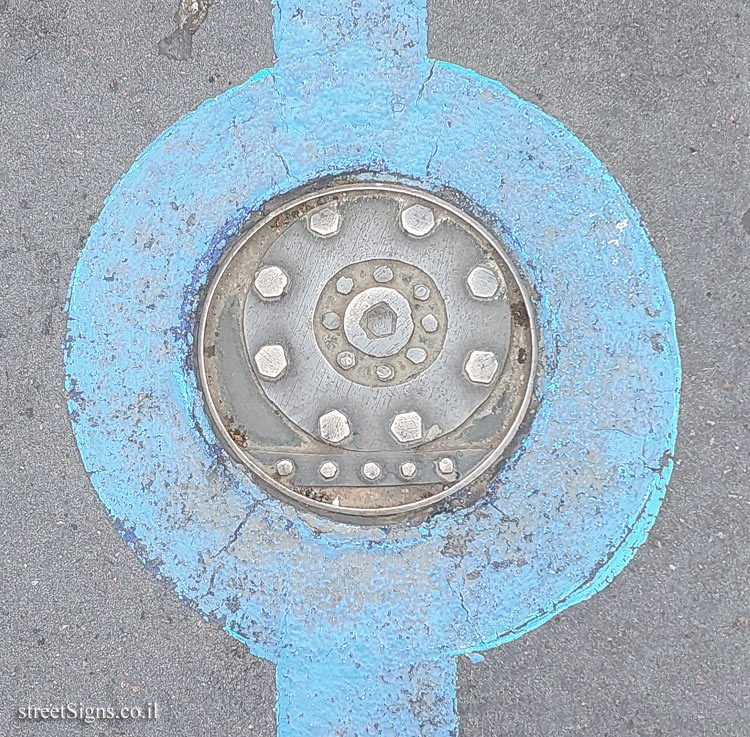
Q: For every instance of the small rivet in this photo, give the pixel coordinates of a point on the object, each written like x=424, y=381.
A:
x=421, y=292
x=331, y=321
x=284, y=467
x=382, y=274
x=408, y=469
x=430, y=323
x=416, y=355
x=446, y=466
x=344, y=285
x=328, y=470
x=346, y=359
x=385, y=372
x=371, y=471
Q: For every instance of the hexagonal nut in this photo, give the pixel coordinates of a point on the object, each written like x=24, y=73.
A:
x=385, y=372
x=334, y=426
x=284, y=467
x=481, y=367
x=407, y=427
x=483, y=283
x=328, y=470
x=371, y=471
x=271, y=361
x=417, y=220
x=407, y=469
x=446, y=466
x=271, y=282
x=325, y=222
x=417, y=355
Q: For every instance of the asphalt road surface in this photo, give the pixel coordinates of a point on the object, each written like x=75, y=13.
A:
x=659, y=91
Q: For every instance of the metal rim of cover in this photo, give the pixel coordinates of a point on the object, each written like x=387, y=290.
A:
x=408, y=307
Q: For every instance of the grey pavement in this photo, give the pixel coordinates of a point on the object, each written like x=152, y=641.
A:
x=659, y=91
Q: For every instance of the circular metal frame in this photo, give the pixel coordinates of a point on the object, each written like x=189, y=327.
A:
x=327, y=509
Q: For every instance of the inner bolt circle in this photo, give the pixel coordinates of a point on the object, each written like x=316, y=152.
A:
x=371, y=320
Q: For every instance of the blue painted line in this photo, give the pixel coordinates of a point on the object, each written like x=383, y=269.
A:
x=363, y=622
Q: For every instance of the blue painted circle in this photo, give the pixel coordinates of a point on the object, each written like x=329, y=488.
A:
x=562, y=517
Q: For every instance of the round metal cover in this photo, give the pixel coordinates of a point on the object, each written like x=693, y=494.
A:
x=367, y=350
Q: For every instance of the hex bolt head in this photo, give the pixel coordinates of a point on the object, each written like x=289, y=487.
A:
x=325, y=222
x=271, y=361
x=271, y=282
x=407, y=427
x=430, y=323
x=481, y=367
x=421, y=292
x=446, y=466
x=346, y=359
x=328, y=470
x=417, y=220
x=416, y=355
x=331, y=321
x=371, y=471
x=382, y=274
x=385, y=372
x=344, y=285
x=333, y=426
x=483, y=283
x=407, y=470
x=284, y=467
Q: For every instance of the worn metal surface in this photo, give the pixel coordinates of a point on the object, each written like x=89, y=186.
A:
x=342, y=356
x=561, y=519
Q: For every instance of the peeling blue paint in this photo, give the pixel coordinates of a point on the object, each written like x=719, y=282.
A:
x=364, y=622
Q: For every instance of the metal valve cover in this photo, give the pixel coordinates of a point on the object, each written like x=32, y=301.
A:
x=367, y=349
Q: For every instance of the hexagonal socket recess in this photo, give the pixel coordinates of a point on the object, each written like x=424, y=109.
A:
x=363, y=443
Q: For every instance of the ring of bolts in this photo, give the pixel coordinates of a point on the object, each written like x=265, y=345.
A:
x=480, y=367
x=383, y=322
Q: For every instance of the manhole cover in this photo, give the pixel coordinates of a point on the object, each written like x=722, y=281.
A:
x=367, y=350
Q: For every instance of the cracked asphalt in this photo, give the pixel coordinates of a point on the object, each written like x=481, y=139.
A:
x=661, y=94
